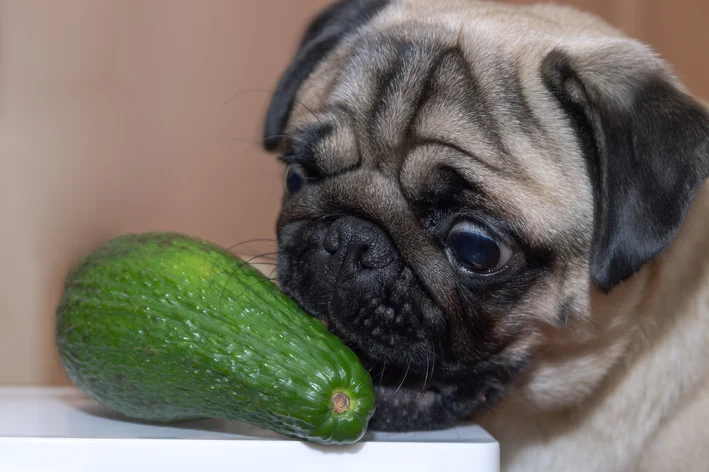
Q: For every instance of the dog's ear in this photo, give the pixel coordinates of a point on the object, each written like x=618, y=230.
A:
x=646, y=143
x=322, y=35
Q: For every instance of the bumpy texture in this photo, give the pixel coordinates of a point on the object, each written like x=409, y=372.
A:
x=166, y=327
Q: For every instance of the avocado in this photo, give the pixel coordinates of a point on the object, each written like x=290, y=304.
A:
x=165, y=327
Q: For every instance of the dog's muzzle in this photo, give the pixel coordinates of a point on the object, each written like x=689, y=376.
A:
x=348, y=273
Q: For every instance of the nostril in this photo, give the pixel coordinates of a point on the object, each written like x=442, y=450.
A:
x=358, y=245
x=331, y=243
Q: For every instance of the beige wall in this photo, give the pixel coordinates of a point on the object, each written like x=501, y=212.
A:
x=123, y=116
x=134, y=115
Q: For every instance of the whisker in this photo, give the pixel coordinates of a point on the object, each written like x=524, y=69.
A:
x=428, y=379
x=243, y=263
x=433, y=361
x=595, y=325
x=233, y=272
x=238, y=94
x=386, y=376
x=402, y=380
x=587, y=318
x=381, y=374
x=369, y=371
x=425, y=379
x=250, y=286
x=248, y=241
x=245, y=289
x=263, y=255
x=274, y=136
x=259, y=141
x=311, y=112
x=229, y=249
x=275, y=266
x=267, y=263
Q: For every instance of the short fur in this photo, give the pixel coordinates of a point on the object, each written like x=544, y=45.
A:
x=570, y=143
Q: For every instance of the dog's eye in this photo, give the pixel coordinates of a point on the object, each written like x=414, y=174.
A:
x=475, y=250
x=295, y=178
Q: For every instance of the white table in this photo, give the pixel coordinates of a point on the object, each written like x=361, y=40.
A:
x=60, y=430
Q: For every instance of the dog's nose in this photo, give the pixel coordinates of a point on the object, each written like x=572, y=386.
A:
x=358, y=244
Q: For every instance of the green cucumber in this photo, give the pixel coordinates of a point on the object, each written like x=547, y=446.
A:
x=165, y=327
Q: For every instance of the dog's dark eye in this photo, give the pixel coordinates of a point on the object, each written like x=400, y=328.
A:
x=475, y=250
x=295, y=178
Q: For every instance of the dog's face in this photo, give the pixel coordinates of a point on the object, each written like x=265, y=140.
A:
x=460, y=176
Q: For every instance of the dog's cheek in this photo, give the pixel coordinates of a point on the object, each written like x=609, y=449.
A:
x=577, y=350
x=559, y=383
x=558, y=301
x=519, y=335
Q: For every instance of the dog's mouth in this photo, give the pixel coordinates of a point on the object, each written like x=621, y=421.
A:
x=379, y=325
x=394, y=350
x=347, y=273
x=385, y=373
x=370, y=336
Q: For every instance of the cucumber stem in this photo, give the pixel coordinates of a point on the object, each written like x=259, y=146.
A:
x=340, y=402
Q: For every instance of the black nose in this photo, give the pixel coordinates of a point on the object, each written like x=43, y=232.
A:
x=358, y=244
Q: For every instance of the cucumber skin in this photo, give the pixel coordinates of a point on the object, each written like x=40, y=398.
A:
x=166, y=327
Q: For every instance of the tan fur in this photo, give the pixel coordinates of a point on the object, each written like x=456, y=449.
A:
x=634, y=396
x=625, y=386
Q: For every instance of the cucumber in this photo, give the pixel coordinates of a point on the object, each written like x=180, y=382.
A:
x=165, y=327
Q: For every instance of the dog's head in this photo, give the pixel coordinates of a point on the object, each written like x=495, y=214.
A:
x=460, y=175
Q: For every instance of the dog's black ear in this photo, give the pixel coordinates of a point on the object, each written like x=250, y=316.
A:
x=322, y=35
x=647, y=148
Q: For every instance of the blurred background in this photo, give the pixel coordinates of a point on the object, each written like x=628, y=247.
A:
x=138, y=115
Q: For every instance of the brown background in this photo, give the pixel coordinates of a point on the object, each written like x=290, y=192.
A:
x=136, y=115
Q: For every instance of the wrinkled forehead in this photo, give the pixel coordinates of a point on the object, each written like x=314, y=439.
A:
x=410, y=103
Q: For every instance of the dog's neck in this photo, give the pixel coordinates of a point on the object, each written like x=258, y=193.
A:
x=630, y=364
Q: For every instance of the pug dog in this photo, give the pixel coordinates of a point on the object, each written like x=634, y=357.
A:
x=502, y=210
